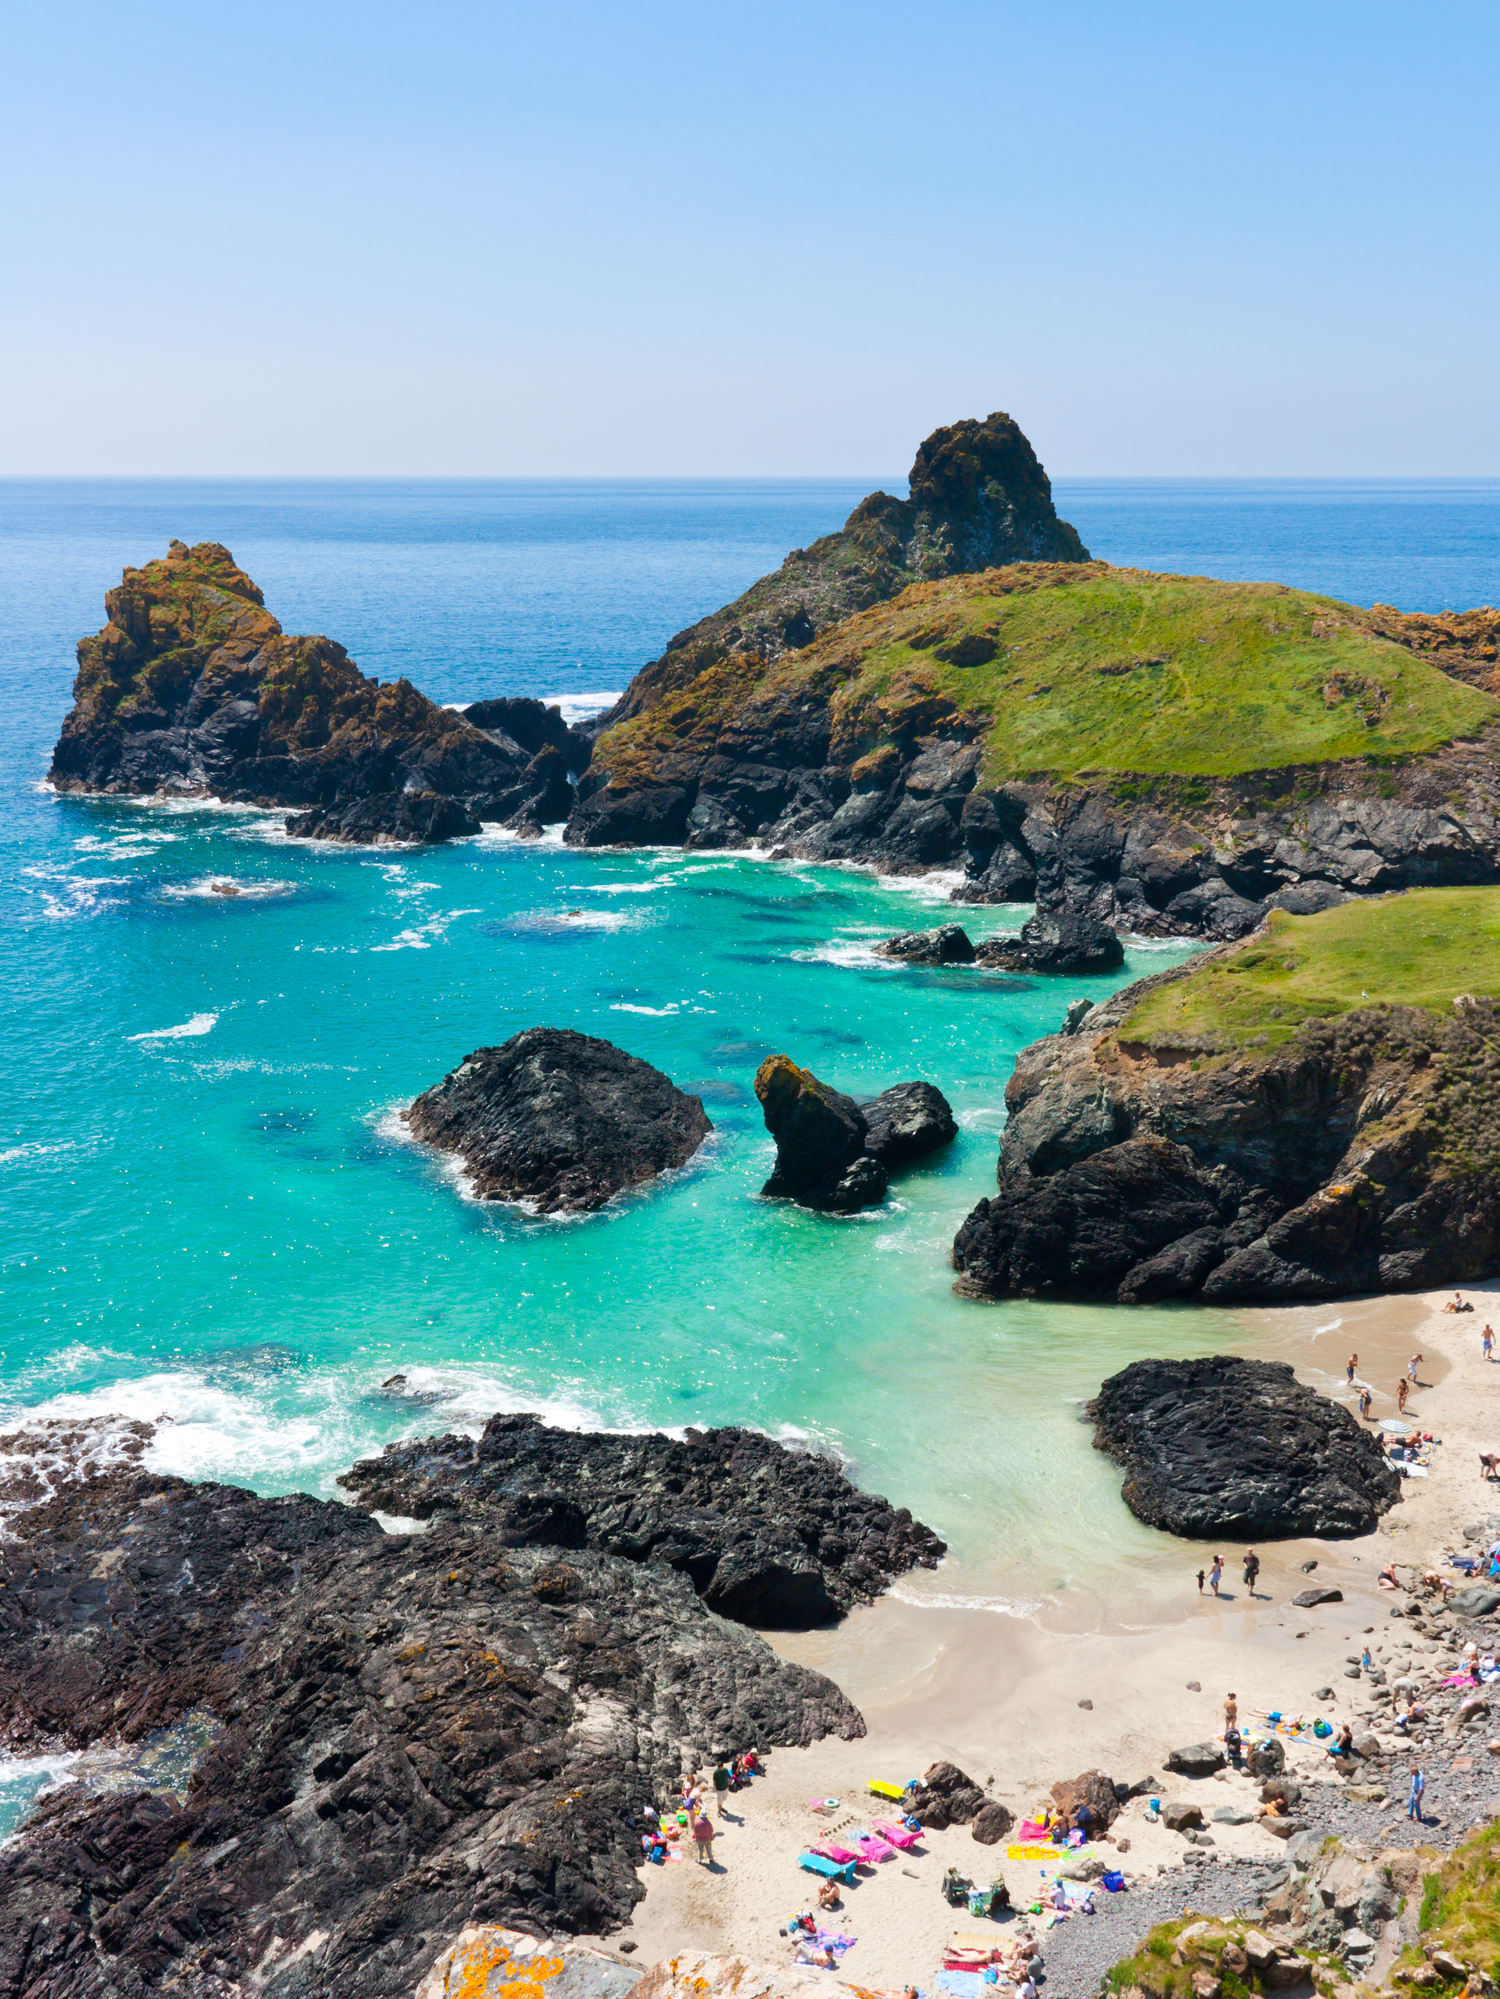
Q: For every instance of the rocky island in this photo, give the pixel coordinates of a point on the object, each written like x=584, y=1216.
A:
x=315, y=1750
x=1312, y=1112
x=193, y=689
x=835, y=1154
x=1239, y=1449
x=559, y=1120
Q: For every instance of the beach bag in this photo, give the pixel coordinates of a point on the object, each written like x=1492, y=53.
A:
x=1113, y=1882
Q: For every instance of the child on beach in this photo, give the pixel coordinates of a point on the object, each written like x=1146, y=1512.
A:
x=1200, y=1582
x=1349, y=1366
x=1402, y=1392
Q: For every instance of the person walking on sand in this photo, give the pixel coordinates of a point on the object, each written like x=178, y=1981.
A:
x=1252, y=1570
x=1216, y=1570
x=1403, y=1390
x=1487, y=1342
x=703, y=1839
x=1349, y=1366
x=1411, y=1369
x=1418, y=1793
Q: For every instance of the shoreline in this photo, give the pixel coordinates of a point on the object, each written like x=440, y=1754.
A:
x=1000, y=1695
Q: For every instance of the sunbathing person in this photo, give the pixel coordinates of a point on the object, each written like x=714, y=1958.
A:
x=828, y=1895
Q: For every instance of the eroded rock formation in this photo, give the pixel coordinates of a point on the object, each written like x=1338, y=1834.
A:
x=560, y=1120
x=834, y=1154
x=1239, y=1449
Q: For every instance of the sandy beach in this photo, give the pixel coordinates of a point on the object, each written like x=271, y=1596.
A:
x=1097, y=1679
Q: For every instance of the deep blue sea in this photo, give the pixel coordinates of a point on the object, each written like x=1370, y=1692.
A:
x=205, y=1212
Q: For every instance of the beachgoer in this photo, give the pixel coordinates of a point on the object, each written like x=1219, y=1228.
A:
x=828, y=1895
x=1231, y=1710
x=1366, y=1662
x=1418, y=1792
x=1403, y=1390
x=1487, y=1341
x=1344, y=1743
x=721, y=1785
x=1252, y=1569
x=703, y=1838
x=1349, y=1366
x=1059, y=1896
x=1365, y=1399
x=1411, y=1368
x=1216, y=1570
x=1387, y=1577
x=1200, y=1582
x=1233, y=1743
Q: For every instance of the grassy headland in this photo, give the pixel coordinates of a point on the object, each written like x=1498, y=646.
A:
x=1418, y=949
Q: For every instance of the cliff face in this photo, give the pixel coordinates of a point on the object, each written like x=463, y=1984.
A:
x=193, y=688
x=1356, y=1153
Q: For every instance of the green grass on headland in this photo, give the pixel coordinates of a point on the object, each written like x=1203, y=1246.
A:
x=1421, y=949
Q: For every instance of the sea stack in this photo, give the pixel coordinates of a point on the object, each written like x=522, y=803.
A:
x=559, y=1120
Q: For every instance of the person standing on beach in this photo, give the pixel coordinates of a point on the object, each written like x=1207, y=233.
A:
x=721, y=1784
x=1231, y=1711
x=1402, y=1391
x=1216, y=1570
x=1418, y=1792
x=1365, y=1399
x=1411, y=1369
x=1349, y=1366
x=1252, y=1569
x=703, y=1838
x=1487, y=1341
x=1200, y=1582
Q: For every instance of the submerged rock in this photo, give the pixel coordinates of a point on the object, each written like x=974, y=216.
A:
x=400, y=1734
x=1234, y=1448
x=766, y=1535
x=833, y=1155
x=192, y=688
x=560, y=1120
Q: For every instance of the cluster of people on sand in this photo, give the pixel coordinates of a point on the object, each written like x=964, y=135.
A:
x=1409, y=1380
x=1012, y=1964
x=1214, y=1574
x=689, y=1818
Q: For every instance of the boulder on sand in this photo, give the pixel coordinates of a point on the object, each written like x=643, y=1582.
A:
x=833, y=1155
x=944, y=1796
x=560, y=1120
x=1198, y=1759
x=992, y=1823
x=1092, y=1788
x=1239, y=1448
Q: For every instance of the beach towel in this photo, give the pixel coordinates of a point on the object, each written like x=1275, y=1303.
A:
x=1030, y=1852
x=831, y=1870
x=831, y=1852
x=962, y=1984
x=1031, y=1829
x=880, y=1789
x=896, y=1835
x=838, y=1941
x=875, y=1849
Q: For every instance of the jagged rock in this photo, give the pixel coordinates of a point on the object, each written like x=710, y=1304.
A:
x=1309, y=1599
x=950, y=945
x=488, y=1961
x=357, y=1740
x=945, y=1796
x=1326, y=1163
x=835, y=1156
x=992, y=1823
x=1198, y=1759
x=1057, y=939
x=1092, y=1788
x=1238, y=1448
x=388, y=818
x=192, y=688
x=559, y=1120
x=767, y=1535
x=1179, y=1816
x=907, y=1122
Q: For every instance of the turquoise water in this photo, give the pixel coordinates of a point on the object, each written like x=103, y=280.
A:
x=205, y=1213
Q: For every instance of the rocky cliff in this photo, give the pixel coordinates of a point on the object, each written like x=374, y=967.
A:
x=314, y=1751
x=948, y=683
x=192, y=688
x=1312, y=1113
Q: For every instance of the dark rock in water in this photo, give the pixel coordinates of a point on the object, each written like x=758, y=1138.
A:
x=907, y=1122
x=767, y=1535
x=1057, y=939
x=387, y=818
x=1309, y=1599
x=192, y=688
x=559, y=1119
x=833, y=1155
x=945, y=1796
x=395, y=1735
x=1239, y=1448
x=950, y=945
x=532, y=726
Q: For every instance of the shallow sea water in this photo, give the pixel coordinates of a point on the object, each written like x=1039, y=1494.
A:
x=207, y=1212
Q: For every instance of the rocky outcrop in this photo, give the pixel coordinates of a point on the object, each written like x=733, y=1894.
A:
x=1239, y=1449
x=948, y=945
x=316, y=1751
x=766, y=1535
x=1068, y=936
x=559, y=1120
x=945, y=1796
x=193, y=689
x=1356, y=1155
x=835, y=1155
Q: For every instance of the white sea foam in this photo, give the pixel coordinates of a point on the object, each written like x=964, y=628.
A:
x=554, y=920
x=200, y=1023
x=422, y=936
x=848, y=951
x=996, y=1606
x=226, y=888
x=627, y=888
x=34, y=1149
x=582, y=707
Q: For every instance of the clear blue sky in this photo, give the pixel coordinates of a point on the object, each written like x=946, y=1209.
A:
x=470, y=236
